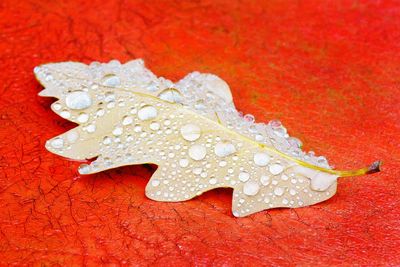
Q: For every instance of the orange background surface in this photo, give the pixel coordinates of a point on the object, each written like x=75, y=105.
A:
x=329, y=70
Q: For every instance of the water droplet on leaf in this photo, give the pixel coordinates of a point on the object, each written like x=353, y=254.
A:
x=111, y=80
x=224, y=149
x=190, y=132
x=147, y=113
x=261, y=159
x=197, y=152
x=78, y=100
x=251, y=188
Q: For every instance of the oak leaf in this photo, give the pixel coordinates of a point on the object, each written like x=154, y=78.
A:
x=190, y=129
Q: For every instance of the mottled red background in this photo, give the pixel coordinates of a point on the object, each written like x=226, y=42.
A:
x=330, y=70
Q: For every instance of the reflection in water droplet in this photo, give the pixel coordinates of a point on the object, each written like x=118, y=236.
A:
x=190, y=132
x=251, y=188
x=322, y=161
x=57, y=142
x=183, y=163
x=91, y=128
x=292, y=192
x=261, y=159
x=275, y=169
x=279, y=191
x=117, y=131
x=212, y=181
x=171, y=95
x=78, y=100
x=83, y=117
x=56, y=106
x=155, y=126
x=155, y=183
x=224, y=149
x=249, y=118
x=147, y=112
x=65, y=114
x=111, y=80
x=294, y=142
x=107, y=140
x=197, y=152
x=127, y=120
x=265, y=180
x=100, y=112
x=244, y=176
x=222, y=163
x=275, y=123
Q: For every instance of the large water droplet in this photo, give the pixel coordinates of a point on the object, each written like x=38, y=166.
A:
x=197, y=152
x=78, y=100
x=275, y=169
x=171, y=95
x=261, y=159
x=251, y=188
x=111, y=80
x=190, y=132
x=147, y=113
x=224, y=149
x=244, y=176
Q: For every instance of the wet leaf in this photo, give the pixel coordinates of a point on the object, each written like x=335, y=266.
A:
x=190, y=129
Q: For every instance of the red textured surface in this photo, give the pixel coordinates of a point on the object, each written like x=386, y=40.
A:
x=330, y=70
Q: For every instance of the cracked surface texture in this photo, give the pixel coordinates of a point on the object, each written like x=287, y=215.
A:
x=333, y=82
